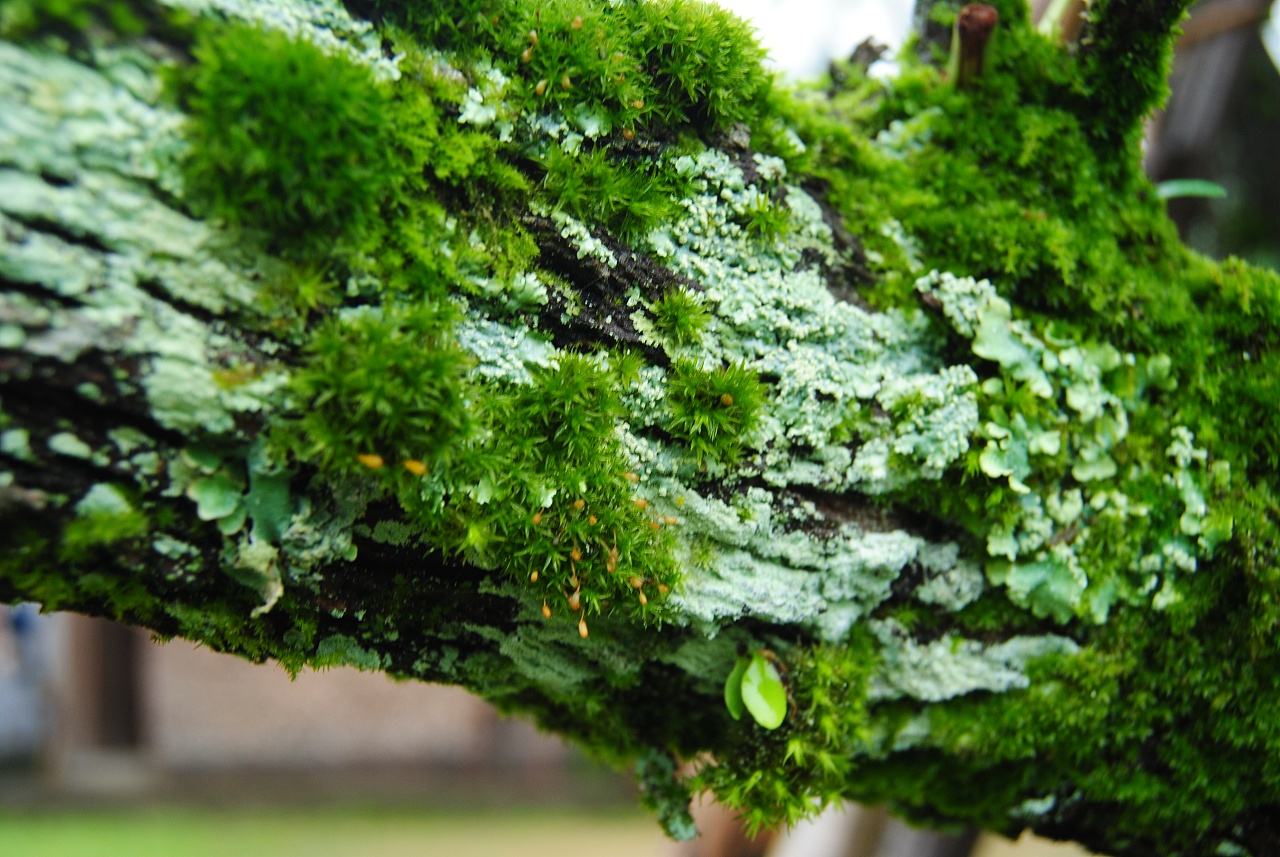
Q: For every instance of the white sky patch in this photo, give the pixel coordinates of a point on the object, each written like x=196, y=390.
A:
x=802, y=37
x=1271, y=35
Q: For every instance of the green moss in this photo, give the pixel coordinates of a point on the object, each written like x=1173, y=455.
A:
x=457, y=24
x=712, y=412
x=626, y=200
x=679, y=317
x=665, y=63
x=783, y=776
x=1129, y=40
x=705, y=62
x=384, y=383
x=286, y=138
x=543, y=487
x=21, y=19
x=339, y=650
x=104, y=516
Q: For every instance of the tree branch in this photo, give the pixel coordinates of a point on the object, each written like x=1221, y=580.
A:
x=554, y=352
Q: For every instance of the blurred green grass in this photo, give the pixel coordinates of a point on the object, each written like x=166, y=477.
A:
x=328, y=833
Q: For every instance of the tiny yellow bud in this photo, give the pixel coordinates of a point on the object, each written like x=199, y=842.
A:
x=533, y=576
x=579, y=504
x=636, y=581
x=540, y=88
x=726, y=400
x=655, y=525
x=575, y=600
x=628, y=134
x=575, y=555
x=641, y=503
x=643, y=600
x=670, y=520
x=537, y=518
x=414, y=466
x=592, y=520
x=582, y=627
x=638, y=104
x=576, y=23
x=533, y=37
x=680, y=500
x=663, y=589
x=526, y=55
x=565, y=82
x=546, y=610
x=370, y=460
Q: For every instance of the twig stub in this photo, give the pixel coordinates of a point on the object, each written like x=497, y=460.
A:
x=974, y=26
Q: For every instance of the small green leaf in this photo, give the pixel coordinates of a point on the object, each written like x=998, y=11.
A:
x=733, y=689
x=763, y=693
x=1175, y=188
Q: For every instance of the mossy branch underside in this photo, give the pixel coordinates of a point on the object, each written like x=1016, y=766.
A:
x=553, y=349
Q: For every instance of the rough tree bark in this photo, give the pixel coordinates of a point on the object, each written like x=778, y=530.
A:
x=552, y=350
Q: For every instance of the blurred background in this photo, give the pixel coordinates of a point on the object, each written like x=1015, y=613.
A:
x=112, y=744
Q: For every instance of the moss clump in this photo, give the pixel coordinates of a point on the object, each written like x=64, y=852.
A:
x=627, y=200
x=679, y=317
x=613, y=72
x=666, y=63
x=1130, y=43
x=104, y=517
x=543, y=493
x=786, y=775
x=286, y=138
x=21, y=19
x=712, y=412
x=704, y=60
x=383, y=384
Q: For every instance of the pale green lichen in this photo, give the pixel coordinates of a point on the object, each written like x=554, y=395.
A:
x=832, y=360
x=951, y=582
x=257, y=565
x=1034, y=554
x=63, y=118
x=503, y=352
x=951, y=667
x=66, y=443
x=16, y=443
x=104, y=500
x=587, y=245
x=325, y=23
x=216, y=496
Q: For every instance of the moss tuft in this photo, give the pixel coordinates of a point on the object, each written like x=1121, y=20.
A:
x=104, y=517
x=286, y=138
x=705, y=62
x=21, y=19
x=662, y=63
x=712, y=412
x=627, y=200
x=381, y=383
x=679, y=317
